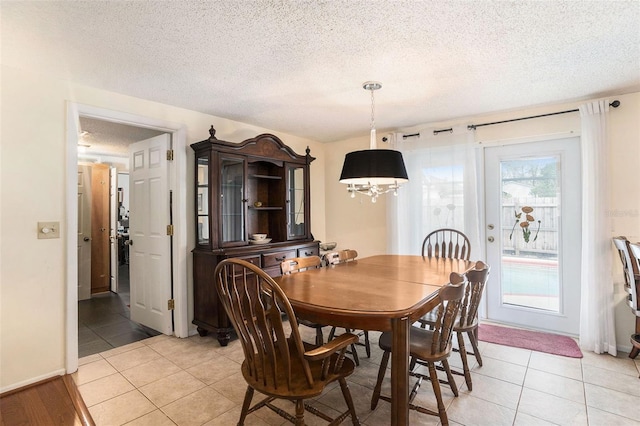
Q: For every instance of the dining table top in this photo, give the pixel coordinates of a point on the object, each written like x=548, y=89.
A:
x=368, y=292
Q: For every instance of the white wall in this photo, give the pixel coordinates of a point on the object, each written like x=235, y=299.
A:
x=353, y=223
x=360, y=225
x=32, y=189
x=32, y=179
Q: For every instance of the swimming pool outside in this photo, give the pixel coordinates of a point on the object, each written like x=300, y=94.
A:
x=530, y=282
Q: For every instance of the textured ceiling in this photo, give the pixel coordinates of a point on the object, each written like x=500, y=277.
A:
x=104, y=137
x=298, y=66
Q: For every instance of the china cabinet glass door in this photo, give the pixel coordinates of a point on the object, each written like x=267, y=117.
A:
x=295, y=202
x=202, y=200
x=232, y=199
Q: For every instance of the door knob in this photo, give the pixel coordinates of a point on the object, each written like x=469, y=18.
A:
x=490, y=226
x=491, y=239
x=87, y=239
x=129, y=242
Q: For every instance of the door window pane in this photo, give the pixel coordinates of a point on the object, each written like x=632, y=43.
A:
x=530, y=234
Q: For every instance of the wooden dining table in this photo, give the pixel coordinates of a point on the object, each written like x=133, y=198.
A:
x=385, y=293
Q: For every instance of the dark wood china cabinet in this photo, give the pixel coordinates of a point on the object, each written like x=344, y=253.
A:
x=258, y=186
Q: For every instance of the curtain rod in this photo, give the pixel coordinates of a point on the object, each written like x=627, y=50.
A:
x=435, y=132
x=614, y=104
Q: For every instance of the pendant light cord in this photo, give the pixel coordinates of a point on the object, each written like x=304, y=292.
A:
x=372, y=140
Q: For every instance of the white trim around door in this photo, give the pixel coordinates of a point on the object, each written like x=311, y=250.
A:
x=177, y=183
x=532, y=196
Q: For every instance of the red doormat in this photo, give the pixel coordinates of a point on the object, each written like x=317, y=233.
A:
x=534, y=340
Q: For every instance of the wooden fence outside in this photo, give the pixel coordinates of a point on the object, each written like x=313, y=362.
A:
x=545, y=210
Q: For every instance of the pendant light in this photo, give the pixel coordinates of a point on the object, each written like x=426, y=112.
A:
x=373, y=172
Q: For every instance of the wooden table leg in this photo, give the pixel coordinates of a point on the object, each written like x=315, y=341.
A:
x=400, y=371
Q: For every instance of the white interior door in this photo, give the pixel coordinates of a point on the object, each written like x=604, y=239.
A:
x=113, y=228
x=533, y=213
x=84, y=232
x=150, y=246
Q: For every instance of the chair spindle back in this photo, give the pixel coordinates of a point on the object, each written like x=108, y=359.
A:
x=450, y=298
x=255, y=304
x=622, y=244
x=446, y=243
x=476, y=281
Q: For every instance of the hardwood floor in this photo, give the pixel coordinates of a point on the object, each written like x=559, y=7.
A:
x=54, y=401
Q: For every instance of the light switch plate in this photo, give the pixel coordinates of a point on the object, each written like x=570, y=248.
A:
x=48, y=230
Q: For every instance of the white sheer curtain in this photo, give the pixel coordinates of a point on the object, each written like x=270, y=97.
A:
x=441, y=192
x=597, y=327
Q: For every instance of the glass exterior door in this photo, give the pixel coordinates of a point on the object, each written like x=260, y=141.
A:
x=533, y=234
x=232, y=199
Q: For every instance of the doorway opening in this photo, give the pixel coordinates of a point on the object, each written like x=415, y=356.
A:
x=177, y=185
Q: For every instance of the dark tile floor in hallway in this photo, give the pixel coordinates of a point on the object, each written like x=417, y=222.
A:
x=104, y=320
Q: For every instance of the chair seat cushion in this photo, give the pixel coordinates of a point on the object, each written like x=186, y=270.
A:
x=299, y=388
x=419, y=345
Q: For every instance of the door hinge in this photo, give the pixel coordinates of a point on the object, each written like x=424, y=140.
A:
x=171, y=304
x=169, y=155
x=169, y=229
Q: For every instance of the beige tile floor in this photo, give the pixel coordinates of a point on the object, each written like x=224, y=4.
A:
x=168, y=381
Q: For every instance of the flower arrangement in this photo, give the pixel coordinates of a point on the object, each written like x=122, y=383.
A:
x=524, y=223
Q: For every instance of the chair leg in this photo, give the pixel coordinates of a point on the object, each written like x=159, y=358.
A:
x=367, y=346
x=248, y=396
x=412, y=363
x=442, y=412
x=332, y=334
x=473, y=337
x=452, y=382
x=349, y=400
x=354, y=353
x=465, y=362
x=383, y=369
x=319, y=337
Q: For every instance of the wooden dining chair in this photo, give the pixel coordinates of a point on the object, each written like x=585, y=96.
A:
x=622, y=244
x=446, y=243
x=277, y=363
x=300, y=264
x=427, y=347
x=634, y=256
x=467, y=320
x=335, y=258
x=341, y=256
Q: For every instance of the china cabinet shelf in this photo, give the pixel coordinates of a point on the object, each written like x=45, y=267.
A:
x=265, y=177
x=264, y=208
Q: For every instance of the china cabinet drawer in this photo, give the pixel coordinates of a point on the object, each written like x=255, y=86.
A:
x=275, y=259
x=253, y=259
x=309, y=251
